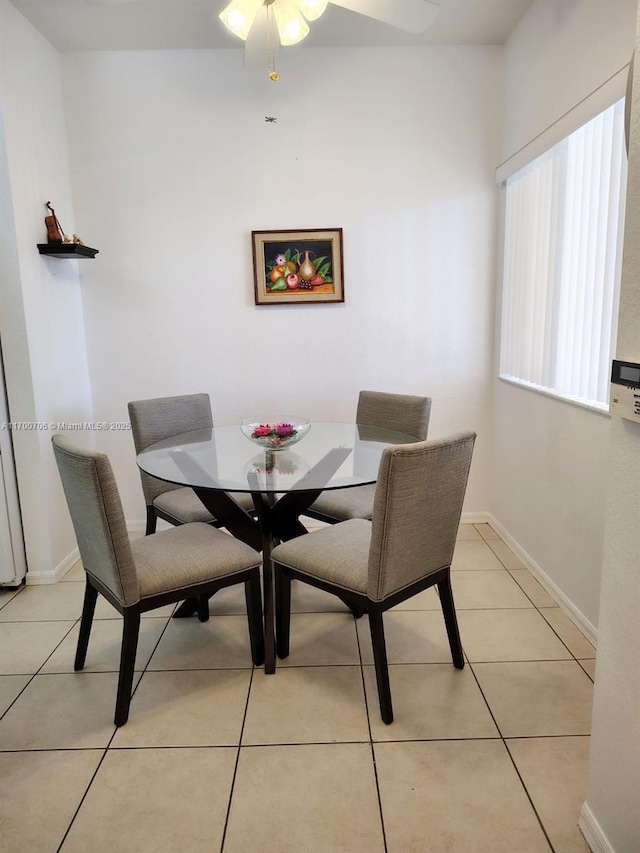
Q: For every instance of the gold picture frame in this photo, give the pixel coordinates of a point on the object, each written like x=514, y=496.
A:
x=298, y=266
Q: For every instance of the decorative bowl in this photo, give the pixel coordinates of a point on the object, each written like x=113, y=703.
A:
x=275, y=434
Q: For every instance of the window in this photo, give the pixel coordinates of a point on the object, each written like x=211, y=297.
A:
x=562, y=261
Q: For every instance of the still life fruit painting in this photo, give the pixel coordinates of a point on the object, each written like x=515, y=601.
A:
x=298, y=266
x=299, y=269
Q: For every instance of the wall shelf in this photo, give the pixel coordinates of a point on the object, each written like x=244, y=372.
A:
x=66, y=250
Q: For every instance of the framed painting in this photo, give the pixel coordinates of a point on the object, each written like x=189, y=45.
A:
x=298, y=266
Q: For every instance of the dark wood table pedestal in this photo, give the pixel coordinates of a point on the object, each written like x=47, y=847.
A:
x=277, y=519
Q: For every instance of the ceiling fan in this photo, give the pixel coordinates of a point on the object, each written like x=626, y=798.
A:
x=413, y=16
x=291, y=16
x=257, y=22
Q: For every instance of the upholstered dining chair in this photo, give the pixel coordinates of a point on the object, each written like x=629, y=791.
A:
x=193, y=560
x=163, y=417
x=406, y=548
x=400, y=412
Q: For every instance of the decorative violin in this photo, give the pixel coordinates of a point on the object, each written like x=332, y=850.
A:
x=55, y=234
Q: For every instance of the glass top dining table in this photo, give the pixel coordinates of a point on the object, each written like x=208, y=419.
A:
x=283, y=483
x=330, y=456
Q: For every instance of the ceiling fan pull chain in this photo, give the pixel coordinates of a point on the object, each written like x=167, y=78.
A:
x=271, y=63
x=271, y=51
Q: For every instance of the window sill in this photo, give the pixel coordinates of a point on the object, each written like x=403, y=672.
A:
x=600, y=408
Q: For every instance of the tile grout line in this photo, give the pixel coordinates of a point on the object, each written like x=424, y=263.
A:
x=502, y=738
x=538, y=610
x=573, y=657
x=588, y=674
x=504, y=565
x=526, y=790
x=510, y=571
x=538, y=607
x=49, y=656
x=108, y=746
x=16, y=593
x=83, y=797
x=566, y=645
x=37, y=672
x=371, y=745
x=235, y=768
x=504, y=743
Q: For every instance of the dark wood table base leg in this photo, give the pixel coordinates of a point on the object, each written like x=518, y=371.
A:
x=236, y=520
x=263, y=505
x=189, y=607
x=277, y=521
x=269, y=605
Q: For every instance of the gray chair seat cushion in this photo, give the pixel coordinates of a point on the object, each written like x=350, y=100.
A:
x=244, y=499
x=343, y=504
x=185, y=506
x=404, y=413
x=186, y=556
x=338, y=555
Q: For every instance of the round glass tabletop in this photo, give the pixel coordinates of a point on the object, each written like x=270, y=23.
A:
x=330, y=456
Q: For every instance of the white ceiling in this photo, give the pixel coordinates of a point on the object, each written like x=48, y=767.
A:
x=181, y=24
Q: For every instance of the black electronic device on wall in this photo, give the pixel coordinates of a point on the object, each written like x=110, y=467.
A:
x=625, y=390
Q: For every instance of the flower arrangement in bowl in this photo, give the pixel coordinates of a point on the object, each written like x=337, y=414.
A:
x=275, y=435
x=287, y=464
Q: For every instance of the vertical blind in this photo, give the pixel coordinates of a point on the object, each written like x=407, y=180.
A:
x=562, y=262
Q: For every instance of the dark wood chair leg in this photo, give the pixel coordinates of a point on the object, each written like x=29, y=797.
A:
x=203, y=608
x=253, y=598
x=376, y=627
x=451, y=621
x=358, y=612
x=88, y=609
x=130, y=631
x=283, y=610
x=152, y=520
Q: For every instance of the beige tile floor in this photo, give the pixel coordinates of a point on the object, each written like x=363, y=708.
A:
x=216, y=756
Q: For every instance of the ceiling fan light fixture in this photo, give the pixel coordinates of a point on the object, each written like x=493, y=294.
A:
x=312, y=9
x=292, y=27
x=239, y=15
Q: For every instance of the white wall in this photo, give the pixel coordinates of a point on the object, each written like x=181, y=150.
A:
x=172, y=167
x=611, y=815
x=550, y=458
x=559, y=53
x=41, y=322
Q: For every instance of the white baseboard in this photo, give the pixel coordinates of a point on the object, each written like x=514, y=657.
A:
x=592, y=831
x=54, y=575
x=576, y=616
x=34, y=578
x=475, y=518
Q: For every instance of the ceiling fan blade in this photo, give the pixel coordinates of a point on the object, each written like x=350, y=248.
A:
x=414, y=16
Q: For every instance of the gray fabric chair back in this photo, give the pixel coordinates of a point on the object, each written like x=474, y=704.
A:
x=416, y=511
x=98, y=520
x=162, y=417
x=400, y=412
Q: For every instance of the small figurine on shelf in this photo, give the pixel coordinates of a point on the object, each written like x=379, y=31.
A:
x=77, y=240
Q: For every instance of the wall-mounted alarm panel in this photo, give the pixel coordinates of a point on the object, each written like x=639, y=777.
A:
x=625, y=390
